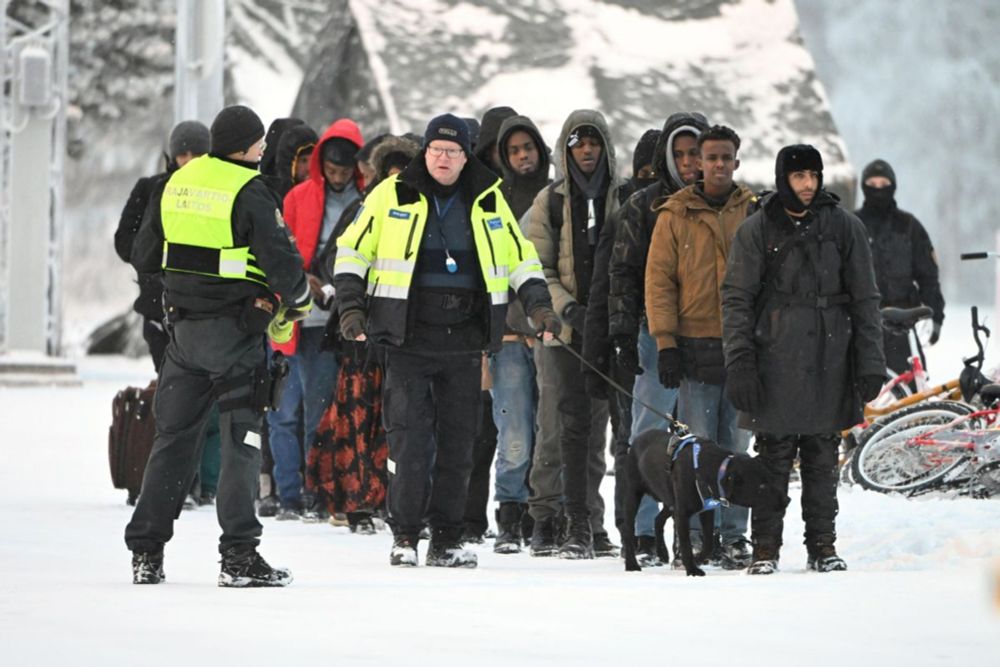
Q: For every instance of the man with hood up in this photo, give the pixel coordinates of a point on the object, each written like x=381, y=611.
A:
x=312, y=210
x=675, y=166
x=564, y=224
x=486, y=145
x=802, y=336
x=906, y=266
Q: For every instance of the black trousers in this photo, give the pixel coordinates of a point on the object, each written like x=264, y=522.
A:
x=156, y=339
x=620, y=411
x=897, y=351
x=201, y=354
x=484, y=452
x=818, y=459
x=431, y=407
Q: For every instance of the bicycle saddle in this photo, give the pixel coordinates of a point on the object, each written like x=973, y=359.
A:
x=903, y=319
x=990, y=394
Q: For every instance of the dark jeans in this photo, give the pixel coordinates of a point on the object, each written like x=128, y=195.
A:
x=201, y=353
x=818, y=470
x=431, y=408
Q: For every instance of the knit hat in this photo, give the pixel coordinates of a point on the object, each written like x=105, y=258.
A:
x=189, y=136
x=449, y=127
x=643, y=154
x=339, y=151
x=236, y=129
x=879, y=168
x=798, y=157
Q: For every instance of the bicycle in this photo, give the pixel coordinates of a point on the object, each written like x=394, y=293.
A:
x=944, y=442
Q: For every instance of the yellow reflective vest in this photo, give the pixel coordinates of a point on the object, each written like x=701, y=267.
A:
x=196, y=210
x=382, y=244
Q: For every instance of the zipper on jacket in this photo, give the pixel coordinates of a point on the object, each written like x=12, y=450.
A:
x=368, y=228
x=486, y=229
x=408, y=253
x=517, y=244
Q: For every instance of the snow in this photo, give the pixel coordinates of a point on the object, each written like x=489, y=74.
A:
x=923, y=586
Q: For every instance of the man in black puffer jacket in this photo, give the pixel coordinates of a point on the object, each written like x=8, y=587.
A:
x=905, y=263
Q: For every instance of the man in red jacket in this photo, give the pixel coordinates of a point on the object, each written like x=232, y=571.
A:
x=311, y=211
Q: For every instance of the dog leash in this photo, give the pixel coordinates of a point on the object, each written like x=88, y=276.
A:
x=680, y=429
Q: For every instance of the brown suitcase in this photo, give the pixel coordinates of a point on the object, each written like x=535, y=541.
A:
x=130, y=437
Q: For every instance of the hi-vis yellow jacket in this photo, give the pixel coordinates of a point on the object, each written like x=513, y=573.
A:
x=383, y=242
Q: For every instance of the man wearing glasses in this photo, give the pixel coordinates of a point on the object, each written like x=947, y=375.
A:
x=438, y=248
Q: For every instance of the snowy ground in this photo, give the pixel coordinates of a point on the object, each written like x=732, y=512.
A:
x=921, y=589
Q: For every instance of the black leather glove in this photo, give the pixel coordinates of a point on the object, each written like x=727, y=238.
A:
x=576, y=316
x=668, y=365
x=869, y=386
x=352, y=324
x=595, y=385
x=546, y=320
x=743, y=387
x=935, y=333
x=627, y=354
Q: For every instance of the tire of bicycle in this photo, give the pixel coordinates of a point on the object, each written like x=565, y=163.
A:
x=881, y=448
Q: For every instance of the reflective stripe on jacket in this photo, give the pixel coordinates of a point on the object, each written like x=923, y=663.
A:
x=383, y=242
x=196, y=209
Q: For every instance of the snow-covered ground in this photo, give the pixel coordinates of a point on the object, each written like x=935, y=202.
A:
x=921, y=590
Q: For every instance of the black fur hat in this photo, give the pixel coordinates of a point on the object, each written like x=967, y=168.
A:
x=798, y=157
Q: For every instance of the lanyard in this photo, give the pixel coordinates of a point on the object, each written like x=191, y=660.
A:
x=449, y=263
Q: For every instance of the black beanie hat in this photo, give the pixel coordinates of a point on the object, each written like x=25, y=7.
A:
x=798, y=157
x=340, y=151
x=879, y=168
x=448, y=127
x=644, y=150
x=236, y=129
x=190, y=136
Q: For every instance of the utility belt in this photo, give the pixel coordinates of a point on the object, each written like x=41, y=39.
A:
x=266, y=384
x=447, y=308
x=252, y=313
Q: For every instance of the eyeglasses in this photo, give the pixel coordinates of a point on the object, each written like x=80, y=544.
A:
x=437, y=151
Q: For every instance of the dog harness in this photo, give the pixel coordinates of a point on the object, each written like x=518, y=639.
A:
x=708, y=502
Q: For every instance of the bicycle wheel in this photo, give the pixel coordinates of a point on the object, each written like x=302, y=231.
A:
x=887, y=461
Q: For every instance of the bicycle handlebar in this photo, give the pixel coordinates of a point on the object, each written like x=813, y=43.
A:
x=979, y=255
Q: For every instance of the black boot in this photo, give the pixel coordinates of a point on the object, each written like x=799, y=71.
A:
x=765, y=557
x=404, y=551
x=579, y=542
x=645, y=551
x=823, y=557
x=604, y=547
x=243, y=567
x=147, y=567
x=446, y=550
x=508, y=529
x=543, y=537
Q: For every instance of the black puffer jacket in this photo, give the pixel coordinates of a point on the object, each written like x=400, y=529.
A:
x=815, y=329
x=627, y=267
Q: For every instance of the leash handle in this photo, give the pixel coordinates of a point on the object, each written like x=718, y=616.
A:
x=679, y=428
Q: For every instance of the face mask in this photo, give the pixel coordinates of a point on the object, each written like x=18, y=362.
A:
x=879, y=199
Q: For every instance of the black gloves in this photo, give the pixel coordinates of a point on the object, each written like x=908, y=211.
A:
x=352, y=324
x=935, y=333
x=869, y=386
x=668, y=363
x=627, y=354
x=595, y=385
x=576, y=316
x=546, y=320
x=743, y=387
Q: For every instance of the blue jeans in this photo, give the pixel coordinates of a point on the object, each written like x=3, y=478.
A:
x=709, y=414
x=514, y=404
x=312, y=377
x=648, y=389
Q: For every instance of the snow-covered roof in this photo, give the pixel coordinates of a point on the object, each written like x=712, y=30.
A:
x=393, y=64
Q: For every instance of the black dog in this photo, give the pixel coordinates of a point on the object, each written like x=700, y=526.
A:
x=664, y=467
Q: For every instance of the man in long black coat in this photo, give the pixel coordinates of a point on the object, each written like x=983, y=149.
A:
x=803, y=344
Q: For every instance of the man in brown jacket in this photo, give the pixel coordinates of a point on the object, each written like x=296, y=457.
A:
x=684, y=272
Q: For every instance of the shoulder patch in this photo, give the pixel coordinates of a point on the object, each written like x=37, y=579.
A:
x=400, y=215
x=495, y=223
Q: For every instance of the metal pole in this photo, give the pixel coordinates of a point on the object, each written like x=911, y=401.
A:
x=199, y=60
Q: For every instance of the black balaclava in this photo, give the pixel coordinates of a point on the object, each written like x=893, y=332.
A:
x=880, y=200
x=798, y=157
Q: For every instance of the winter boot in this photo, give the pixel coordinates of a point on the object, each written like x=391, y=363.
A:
x=313, y=510
x=604, y=547
x=645, y=551
x=446, y=550
x=579, y=542
x=404, y=551
x=736, y=556
x=243, y=567
x=765, y=558
x=677, y=563
x=288, y=511
x=361, y=523
x=472, y=535
x=268, y=507
x=543, y=537
x=509, y=526
x=824, y=558
x=147, y=567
